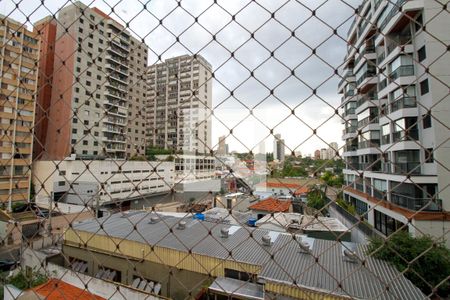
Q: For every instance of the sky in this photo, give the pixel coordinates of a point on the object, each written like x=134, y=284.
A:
x=289, y=46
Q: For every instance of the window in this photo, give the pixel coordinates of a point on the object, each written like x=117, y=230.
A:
x=424, y=88
x=386, y=224
x=74, y=130
x=429, y=157
x=421, y=53
x=418, y=23
x=85, y=143
x=426, y=120
x=74, y=120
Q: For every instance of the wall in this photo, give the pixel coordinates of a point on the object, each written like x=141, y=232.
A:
x=175, y=284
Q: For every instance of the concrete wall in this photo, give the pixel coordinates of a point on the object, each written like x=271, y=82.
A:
x=175, y=283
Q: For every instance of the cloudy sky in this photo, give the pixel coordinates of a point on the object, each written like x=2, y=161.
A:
x=285, y=34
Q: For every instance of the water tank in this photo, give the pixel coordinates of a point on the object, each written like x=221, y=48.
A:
x=252, y=222
x=199, y=216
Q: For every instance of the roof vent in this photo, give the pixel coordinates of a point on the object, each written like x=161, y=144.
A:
x=350, y=256
x=181, y=225
x=266, y=240
x=349, y=252
x=154, y=219
x=305, y=244
x=224, y=232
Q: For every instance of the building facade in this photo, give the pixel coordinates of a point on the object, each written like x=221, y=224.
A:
x=179, y=104
x=98, y=85
x=92, y=182
x=278, y=148
x=18, y=80
x=395, y=108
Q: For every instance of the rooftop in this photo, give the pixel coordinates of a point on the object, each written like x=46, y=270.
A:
x=55, y=289
x=272, y=205
x=283, y=221
x=322, y=269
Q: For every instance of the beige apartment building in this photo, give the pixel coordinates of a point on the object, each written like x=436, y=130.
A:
x=18, y=80
x=396, y=114
x=98, y=88
x=179, y=104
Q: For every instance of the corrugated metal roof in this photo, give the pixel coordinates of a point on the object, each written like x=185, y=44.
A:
x=324, y=269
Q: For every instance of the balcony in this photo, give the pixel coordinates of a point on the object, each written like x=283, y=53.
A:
x=406, y=168
x=394, y=10
x=350, y=111
x=367, y=74
x=368, y=144
x=382, y=84
x=349, y=93
x=403, y=102
x=351, y=129
x=398, y=41
x=366, y=121
x=405, y=135
x=359, y=187
x=348, y=73
x=413, y=203
x=386, y=139
x=348, y=148
x=365, y=98
x=374, y=166
x=401, y=71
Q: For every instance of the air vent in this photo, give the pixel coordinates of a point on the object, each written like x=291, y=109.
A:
x=266, y=240
x=224, y=232
x=181, y=225
x=305, y=244
x=349, y=252
x=154, y=219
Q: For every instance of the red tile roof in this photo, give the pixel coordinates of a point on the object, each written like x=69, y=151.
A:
x=279, y=185
x=301, y=190
x=272, y=205
x=55, y=289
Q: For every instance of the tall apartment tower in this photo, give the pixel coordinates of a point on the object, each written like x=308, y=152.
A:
x=46, y=29
x=179, y=104
x=98, y=87
x=396, y=113
x=18, y=80
x=278, y=148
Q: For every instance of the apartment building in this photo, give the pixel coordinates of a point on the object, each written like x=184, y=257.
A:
x=179, y=104
x=278, y=148
x=92, y=182
x=98, y=87
x=395, y=108
x=18, y=80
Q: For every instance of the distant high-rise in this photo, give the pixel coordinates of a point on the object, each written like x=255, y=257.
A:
x=396, y=113
x=18, y=60
x=179, y=103
x=331, y=151
x=278, y=148
x=323, y=153
x=98, y=87
x=223, y=147
x=317, y=154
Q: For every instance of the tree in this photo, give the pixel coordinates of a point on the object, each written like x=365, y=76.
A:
x=316, y=197
x=419, y=257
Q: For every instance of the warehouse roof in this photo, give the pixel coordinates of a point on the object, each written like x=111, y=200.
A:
x=295, y=260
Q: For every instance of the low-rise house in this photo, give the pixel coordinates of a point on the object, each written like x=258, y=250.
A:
x=270, y=206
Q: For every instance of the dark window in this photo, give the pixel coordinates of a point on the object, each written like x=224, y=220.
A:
x=90, y=45
x=418, y=23
x=78, y=59
x=95, y=143
x=86, y=122
x=422, y=54
x=85, y=143
x=80, y=30
x=74, y=141
x=424, y=88
x=426, y=120
x=84, y=152
x=81, y=21
x=429, y=157
x=74, y=130
x=75, y=120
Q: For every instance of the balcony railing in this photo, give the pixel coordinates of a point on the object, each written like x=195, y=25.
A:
x=365, y=98
x=401, y=71
x=395, y=10
x=347, y=74
x=349, y=93
x=350, y=148
x=406, y=168
x=386, y=139
x=413, y=203
x=359, y=187
x=403, y=102
x=398, y=40
x=351, y=129
x=382, y=84
x=405, y=135
x=366, y=121
x=379, y=194
x=350, y=111
x=370, y=166
x=367, y=74
x=368, y=144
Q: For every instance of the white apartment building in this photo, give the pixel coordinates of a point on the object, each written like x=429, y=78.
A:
x=190, y=168
x=179, y=104
x=98, y=88
x=106, y=181
x=396, y=113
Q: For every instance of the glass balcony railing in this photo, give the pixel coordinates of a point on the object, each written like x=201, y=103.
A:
x=368, y=144
x=406, y=168
x=394, y=10
x=351, y=129
x=365, y=98
x=382, y=84
x=405, y=135
x=413, y=203
x=403, y=102
x=367, y=74
x=401, y=71
x=366, y=121
x=386, y=139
